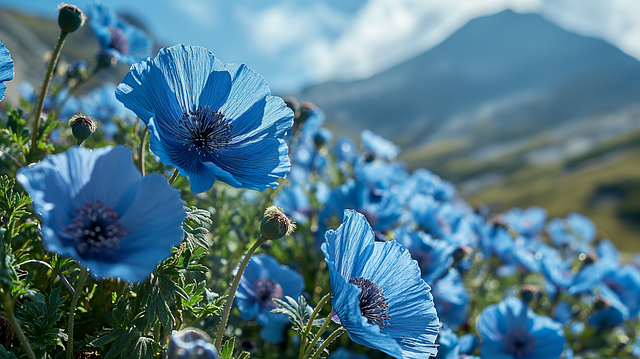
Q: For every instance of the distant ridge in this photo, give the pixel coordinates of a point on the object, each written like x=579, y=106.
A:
x=499, y=78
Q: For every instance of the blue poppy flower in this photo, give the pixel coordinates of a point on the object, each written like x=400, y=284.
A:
x=342, y=353
x=6, y=69
x=117, y=38
x=511, y=330
x=576, y=230
x=263, y=280
x=425, y=182
x=434, y=257
x=381, y=208
x=625, y=282
x=101, y=104
x=209, y=120
x=527, y=223
x=610, y=311
x=451, y=299
x=378, y=146
x=378, y=294
x=97, y=208
x=294, y=202
x=191, y=343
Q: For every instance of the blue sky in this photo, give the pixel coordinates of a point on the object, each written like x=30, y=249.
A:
x=294, y=43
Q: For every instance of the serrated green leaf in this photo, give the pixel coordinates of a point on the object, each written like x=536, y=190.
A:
x=108, y=338
x=144, y=348
x=227, y=348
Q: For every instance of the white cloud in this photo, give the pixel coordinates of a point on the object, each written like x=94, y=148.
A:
x=282, y=26
x=201, y=11
x=616, y=21
x=385, y=32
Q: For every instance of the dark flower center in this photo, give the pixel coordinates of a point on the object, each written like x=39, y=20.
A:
x=519, y=342
x=119, y=42
x=266, y=290
x=95, y=227
x=205, y=131
x=373, y=304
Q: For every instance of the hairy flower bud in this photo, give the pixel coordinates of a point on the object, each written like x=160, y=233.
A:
x=82, y=126
x=276, y=224
x=70, y=18
x=191, y=343
x=530, y=292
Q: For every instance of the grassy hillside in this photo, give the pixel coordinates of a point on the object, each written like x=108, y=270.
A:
x=603, y=185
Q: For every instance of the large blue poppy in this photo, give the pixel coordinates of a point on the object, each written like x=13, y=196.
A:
x=209, y=120
x=96, y=208
x=116, y=37
x=378, y=294
x=6, y=69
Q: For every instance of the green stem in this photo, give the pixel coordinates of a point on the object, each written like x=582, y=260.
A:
x=193, y=321
x=317, y=336
x=72, y=92
x=313, y=316
x=7, y=304
x=72, y=310
x=143, y=138
x=174, y=176
x=45, y=88
x=232, y=291
x=338, y=332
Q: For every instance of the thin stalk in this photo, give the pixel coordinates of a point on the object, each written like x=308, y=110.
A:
x=72, y=311
x=307, y=329
x=7, y=304
x=232, y=291
x=317, y=336
x=338, y=332
x=45, y=88
x=143, y=138
x=174, y=176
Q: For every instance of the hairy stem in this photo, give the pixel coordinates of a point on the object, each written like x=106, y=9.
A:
x=174, y=176
x=7, y=304
x=45, y=88
x=143, y=138
x=317, y=336
x=72, y=311
x=232, y=291
x=338, y=332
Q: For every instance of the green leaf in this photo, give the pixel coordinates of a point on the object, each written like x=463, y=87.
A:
x=122, y=344
x=227, y=348
x=108, y=338
x=144, y=348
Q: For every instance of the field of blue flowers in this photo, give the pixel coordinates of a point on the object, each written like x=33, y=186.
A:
x=188, y=213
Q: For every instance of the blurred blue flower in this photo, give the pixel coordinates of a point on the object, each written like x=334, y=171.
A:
x=378, y=146
x=575, y=230
x=425, y=182
x=527, y=223
x=294, y=202
x=378, y=294
x=440, y=219
x=610, y=311
x=342, y=353
x=453, y=347
x=434, y=257
x=263, y=280
x=101, y=104
x=191, y=343
x=344, y=150
x=560, y=276
x=6, y=69
x=116, y=37
x=511, y=330
x=451, y=299
x=97, y=208
x=381, y=208
x=625, y=282
x=208, y=120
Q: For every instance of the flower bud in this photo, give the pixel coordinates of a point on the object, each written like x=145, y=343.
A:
x=82, y=126
x=276, y=224
x=104, y=61
x=70, y=18
x=191, y=343
x=6, y=332
x=530, y=292
x=601, y=303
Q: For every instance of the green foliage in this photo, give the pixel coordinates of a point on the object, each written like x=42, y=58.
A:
x=40, y=320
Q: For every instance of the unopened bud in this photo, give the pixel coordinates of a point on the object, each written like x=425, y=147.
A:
x=306, y=110
x=105, y=61
x=293, y=104
x=588, y=258
x=70, y=18
x=530, y=292
x=6, y=332
x=82, y=126
x=276, y=224
x=191, y=343
x=601, y=303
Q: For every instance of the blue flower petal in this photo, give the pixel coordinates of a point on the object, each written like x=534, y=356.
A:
x=350, y=246
x=6, y=69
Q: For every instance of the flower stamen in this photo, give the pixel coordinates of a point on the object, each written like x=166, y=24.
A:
x=205, y=131
x=119, y=41
x=373, y=304
x=95, y=227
